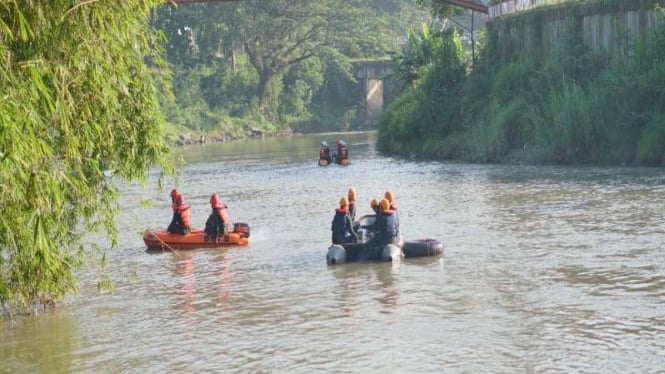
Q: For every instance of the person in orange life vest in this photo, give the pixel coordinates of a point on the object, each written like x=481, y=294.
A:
x=388, y=226
x=351, y=196
x=342, y=227
x=324, y=152
x=374, y=204
x=393, y=206
x=342, y=151
x=218, y=221
x=181, y=222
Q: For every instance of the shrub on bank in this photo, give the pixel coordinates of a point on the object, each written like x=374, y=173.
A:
x=564, y=111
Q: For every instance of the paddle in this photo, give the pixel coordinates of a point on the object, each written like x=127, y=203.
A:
x=164, y=244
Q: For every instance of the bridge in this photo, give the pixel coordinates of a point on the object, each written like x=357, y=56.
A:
x=371, y=74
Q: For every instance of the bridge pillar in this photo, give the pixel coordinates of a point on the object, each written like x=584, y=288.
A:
x=371, y=74
x=373, y=90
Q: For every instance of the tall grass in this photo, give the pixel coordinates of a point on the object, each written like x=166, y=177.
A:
x=539, y=111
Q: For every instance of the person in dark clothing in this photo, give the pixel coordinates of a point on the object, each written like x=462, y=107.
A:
x=181, y=221
x=370, y=229
x=374, y=204
x=342, y=153
x=393, y=206
x=324, y=153
x=218, y=222
x=342, y=227
x=386, y=224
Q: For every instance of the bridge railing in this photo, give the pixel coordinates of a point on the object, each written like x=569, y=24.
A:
x=514, y=6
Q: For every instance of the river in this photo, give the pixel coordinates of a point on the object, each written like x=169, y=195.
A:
x=545, y=270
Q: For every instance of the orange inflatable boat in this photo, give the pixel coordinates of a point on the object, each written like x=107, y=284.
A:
x=162, y=239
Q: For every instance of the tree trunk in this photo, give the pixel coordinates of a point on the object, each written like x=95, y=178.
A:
x=264, y=79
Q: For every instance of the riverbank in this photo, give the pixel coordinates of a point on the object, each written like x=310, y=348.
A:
x=576, y=107
x=183, y=136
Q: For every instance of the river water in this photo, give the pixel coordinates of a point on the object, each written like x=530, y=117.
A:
x=545, y=270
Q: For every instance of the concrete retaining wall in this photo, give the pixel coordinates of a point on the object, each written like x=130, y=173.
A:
x=547, y=27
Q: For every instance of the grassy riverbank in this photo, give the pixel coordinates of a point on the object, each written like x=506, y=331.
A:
x=579, y=108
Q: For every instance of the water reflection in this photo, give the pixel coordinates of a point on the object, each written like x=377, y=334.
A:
x=388, y=281
x=42, y=343
x=184, y=269
x=356, y=279
x=199, y=276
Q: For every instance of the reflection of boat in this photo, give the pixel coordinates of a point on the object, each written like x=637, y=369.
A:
x=344, y=162
x=366, y=251
x=196, y=239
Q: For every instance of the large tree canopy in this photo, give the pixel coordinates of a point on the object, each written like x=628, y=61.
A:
x=290, y=58
x=279, y=33
x=76, y=94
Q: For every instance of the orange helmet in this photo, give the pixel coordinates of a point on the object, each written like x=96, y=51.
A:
x=174, y=192
x=385, y=205
x=352, y=194
x=389, y=196
x=374, y=203
x=343, y=202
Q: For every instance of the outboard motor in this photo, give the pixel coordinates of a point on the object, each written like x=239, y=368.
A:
x=336, y=255
x=391, y=253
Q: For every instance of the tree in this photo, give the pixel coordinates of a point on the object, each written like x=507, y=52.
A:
x=439, y=8
x=280, y=33
x=77, y=94
x=417, y=54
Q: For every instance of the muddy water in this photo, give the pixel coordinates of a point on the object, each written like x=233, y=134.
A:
x=546, y=269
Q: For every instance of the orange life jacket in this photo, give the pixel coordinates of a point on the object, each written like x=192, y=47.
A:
x=221, y=212
x=183, y=210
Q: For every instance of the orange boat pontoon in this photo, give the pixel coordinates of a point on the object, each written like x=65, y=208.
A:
x=162, y=239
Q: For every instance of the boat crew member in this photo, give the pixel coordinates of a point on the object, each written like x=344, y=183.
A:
x=351, y=195
x=218, y=221
x=181, y=223
x=324, y=153
x=342, y=153
x=387, y=225
x=342, y=227
x=393, y=206
x=374, y=204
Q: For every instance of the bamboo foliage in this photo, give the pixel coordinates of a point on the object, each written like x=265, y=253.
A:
x=77, y=96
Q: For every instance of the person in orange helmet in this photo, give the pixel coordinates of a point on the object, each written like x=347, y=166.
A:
x=181, y=223
x=393, y=206
x=387, y=225
x=351, y=196
x=218, y=221
x=342, y=226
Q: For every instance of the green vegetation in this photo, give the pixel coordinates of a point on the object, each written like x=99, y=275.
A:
x=433, y=68
x=275, y=66
x=76, y=94
x=577, y=108
x=84, y=88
